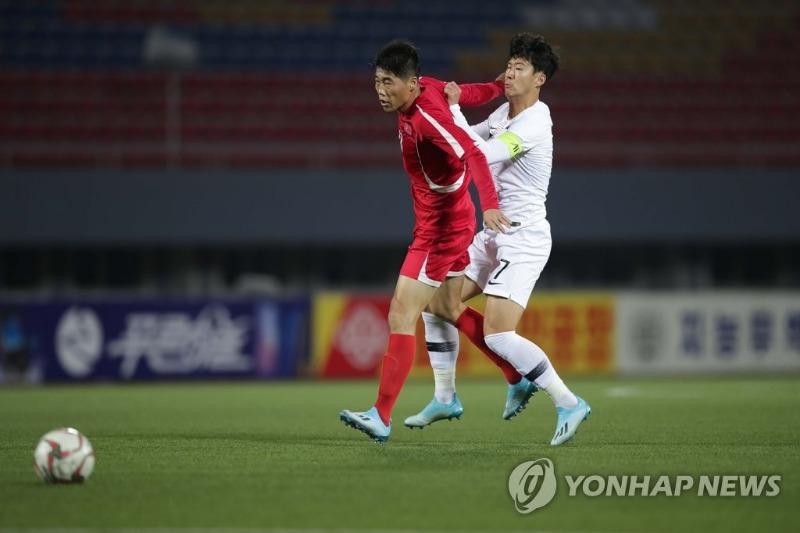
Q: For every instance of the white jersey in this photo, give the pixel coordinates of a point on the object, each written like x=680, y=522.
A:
x=520, y=156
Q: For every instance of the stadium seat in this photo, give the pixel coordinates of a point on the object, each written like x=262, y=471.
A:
x=641, y=82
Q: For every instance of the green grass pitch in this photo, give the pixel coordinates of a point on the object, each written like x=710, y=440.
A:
x=273, y=456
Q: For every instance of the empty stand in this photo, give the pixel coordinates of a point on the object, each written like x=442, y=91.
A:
x=659, y=82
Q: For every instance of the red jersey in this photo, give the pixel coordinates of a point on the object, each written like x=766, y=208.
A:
x=441, y=158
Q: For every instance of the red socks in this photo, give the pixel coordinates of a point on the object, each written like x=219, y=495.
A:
x=397, y=363
x=470, y=323
x=399, y=359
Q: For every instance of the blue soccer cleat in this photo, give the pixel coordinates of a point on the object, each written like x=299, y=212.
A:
x=368, y=422
x=518, y=396
x=569, y=420
x=435, y=411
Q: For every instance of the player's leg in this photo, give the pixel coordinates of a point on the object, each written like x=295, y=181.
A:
x=483, y=252
x=441, y=338
x=522, y=256
x=483, y=260
x=470, y=323
x=409, y=299
x=532, y=362
x=502, y=317
x=520, y=390
x=420, y=277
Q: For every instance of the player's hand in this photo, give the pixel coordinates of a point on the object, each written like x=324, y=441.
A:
x=501, y=77
x=496, y=220
x=453, y=92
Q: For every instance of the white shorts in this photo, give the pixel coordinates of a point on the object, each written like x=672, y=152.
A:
x=507, y=265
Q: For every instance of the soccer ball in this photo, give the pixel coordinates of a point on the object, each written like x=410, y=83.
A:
x=63, y=455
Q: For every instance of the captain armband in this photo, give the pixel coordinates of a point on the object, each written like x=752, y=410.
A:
x=513, y=142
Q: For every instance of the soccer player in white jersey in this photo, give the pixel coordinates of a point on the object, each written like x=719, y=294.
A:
x=518, y=143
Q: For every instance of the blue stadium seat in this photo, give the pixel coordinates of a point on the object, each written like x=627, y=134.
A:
x=76, y=70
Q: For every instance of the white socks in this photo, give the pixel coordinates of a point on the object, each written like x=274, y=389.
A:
x=531, y=362
x=442, y=340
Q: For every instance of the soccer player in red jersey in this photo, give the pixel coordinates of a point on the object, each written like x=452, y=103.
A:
x=441, y=160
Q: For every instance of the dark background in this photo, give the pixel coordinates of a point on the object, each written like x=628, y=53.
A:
x=200, y=147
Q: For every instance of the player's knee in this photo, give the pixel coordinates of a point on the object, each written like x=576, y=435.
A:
x=402, y=319
x=401, y=323
x=449, y=310
x=501, y=315
x=492, y=327
x=499, y=342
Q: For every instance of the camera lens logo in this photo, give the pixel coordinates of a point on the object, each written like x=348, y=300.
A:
x=532, y=485
x=79, y=341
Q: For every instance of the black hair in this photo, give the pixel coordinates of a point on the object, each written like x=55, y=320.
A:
x=399, y=58
x=537, y=51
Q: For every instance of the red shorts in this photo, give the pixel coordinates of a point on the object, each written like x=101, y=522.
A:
x=432, y=259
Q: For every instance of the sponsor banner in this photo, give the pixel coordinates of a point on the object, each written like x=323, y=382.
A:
x=711, y=332
x=20, y=345
x=143, y=339
x=351, y=333
x=282, y=333
x=130, y=341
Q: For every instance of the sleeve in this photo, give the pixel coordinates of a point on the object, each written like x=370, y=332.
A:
x=481, y=129
x=441, y=129
x=505, y=147
x=479, y=132
x=478, y=94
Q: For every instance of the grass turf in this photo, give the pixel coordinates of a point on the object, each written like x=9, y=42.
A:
x=274, y=456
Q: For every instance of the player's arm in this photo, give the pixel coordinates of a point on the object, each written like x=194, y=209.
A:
x=478, y=94
x=505, y=147
x=479, y=132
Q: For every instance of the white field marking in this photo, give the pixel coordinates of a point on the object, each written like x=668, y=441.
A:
x=644, y=392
